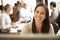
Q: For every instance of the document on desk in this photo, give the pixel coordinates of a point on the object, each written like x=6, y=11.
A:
x=18, y=27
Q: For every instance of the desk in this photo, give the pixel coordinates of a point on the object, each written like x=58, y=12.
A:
x=19, y=28
x=28, y=37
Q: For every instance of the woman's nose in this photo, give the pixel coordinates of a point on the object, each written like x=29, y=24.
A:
x=39, y=14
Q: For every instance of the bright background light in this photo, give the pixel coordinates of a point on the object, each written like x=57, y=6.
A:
x=31, y=4
x=0, y=2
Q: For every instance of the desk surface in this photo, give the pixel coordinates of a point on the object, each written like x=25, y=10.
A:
x=28, y=37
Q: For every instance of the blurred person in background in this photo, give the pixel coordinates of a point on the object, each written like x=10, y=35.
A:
x=16, y=11
x=54, y=13
x=1, y=10
x=6, y=21
x=24, y=13
x=54, y=16
x=40, y=22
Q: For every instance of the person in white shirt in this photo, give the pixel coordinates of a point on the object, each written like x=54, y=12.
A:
x=6, y=21
x=24, y=13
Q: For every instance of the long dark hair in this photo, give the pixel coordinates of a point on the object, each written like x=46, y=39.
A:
x=45, y=26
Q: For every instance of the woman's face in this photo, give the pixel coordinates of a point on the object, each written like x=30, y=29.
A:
x=40, y=14
x=9, y=10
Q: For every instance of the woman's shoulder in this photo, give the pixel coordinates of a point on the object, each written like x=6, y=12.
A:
x=27, y=28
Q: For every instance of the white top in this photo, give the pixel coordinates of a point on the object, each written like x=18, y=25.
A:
x=5, y=20
x=28, y=29
x=24, y=12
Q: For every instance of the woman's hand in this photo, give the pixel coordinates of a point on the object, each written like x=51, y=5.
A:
x=14, y=24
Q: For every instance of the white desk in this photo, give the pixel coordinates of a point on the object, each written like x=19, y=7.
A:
x=19, y=27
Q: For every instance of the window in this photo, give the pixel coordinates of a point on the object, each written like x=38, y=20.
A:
x=58, y=5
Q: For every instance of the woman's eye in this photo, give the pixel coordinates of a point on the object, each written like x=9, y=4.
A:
x=37, y=11
x=42, y=13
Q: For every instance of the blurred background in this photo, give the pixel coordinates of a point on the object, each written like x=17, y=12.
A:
x=31, y=4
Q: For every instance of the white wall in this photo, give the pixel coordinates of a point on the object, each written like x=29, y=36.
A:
x=0, y=2
x=31, y=3
x=11, y=2
x=58, y=5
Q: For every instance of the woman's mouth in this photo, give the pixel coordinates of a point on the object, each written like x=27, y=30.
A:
x=39, y=18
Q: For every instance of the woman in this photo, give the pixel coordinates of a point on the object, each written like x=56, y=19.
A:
x=40, y=22
x=16, y=12
x=6, y=21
